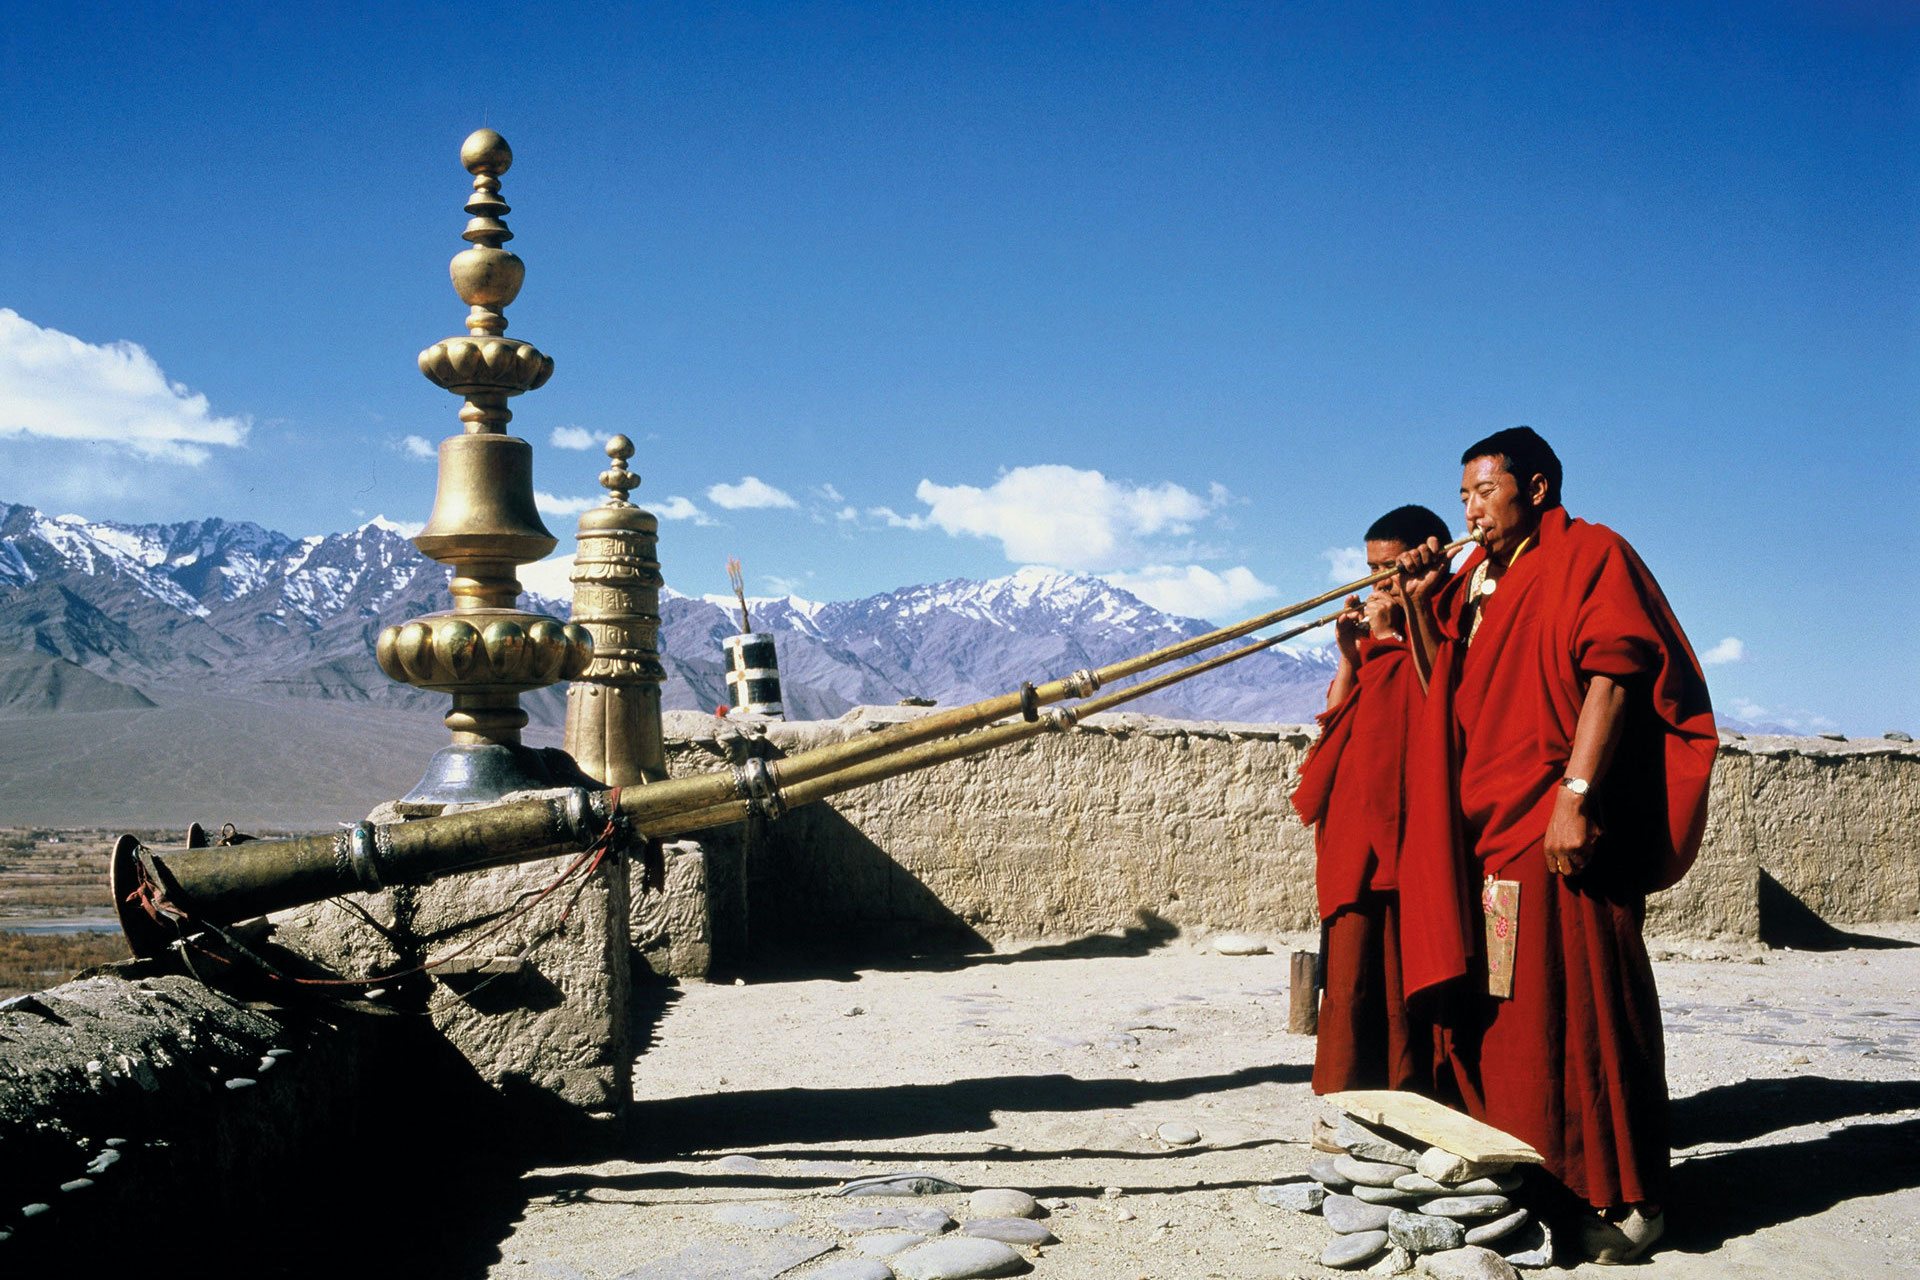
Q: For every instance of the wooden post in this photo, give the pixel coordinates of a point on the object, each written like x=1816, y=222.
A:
x=1304, y=1018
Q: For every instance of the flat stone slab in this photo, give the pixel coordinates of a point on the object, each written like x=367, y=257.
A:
x=749, y=1260
x=1009, y=1230
x=761, y=1217
x=1002, y=1202
x=1434, y=1123
x=926, y=1221
x=1354, y=1250
x=1369, y=1173
x=957, y=1258
x=1301, y=1197
x=1363, y=1143
x=1237, y=944
x=1347, y=1215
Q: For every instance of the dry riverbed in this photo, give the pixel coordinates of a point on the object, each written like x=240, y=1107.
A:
x=1796, y=1078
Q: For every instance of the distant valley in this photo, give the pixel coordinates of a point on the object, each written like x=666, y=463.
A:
x=149, y=669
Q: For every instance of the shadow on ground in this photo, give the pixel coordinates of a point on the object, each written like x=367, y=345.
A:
x=1721, y=1195
x=754, y=1118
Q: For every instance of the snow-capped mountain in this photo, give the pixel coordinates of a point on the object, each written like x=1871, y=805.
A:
x=238, y=607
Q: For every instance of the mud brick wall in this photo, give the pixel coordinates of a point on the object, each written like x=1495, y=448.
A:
x=1137, y=823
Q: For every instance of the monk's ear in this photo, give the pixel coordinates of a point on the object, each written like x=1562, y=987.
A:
x=1537, y=488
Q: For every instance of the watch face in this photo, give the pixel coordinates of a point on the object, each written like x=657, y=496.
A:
x=1576, y=785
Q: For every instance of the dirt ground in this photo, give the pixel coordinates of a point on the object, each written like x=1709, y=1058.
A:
x=1796, y=1078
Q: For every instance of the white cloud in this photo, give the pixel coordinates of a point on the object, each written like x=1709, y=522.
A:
x=894, y=520
x=55, y=386
x=549, y=577
x=1732, y=649
x=679, y=508
x=1345, y=564
x=574, y=438
x=1063, y=516
x=552, y=506
x=418, y=447
x=751, y=493
x=1193, y=591
x=827, y=493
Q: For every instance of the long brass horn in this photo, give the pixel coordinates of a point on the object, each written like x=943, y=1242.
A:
x=223, y=885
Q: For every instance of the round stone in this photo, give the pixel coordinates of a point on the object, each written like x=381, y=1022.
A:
x=930, y=1222
x=1370, y=1173
x=1347, y=1215
x=1386, y=1195
x=1468, y=1207
x=1002, y=1202
x=1354, y=1250
x=1178, y=1134
x=1009, y=1230
x=1498, y=1229
x=957, y=1258
x=1392, y=1263
x=1234, y=944
x=1421, y=1184
x=887, y=1243
x=854, y=1269
x=1323, y=1172
x=1469, y=1262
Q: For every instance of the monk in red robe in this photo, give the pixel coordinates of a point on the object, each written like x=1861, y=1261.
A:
x=1350, y=792
x=1572, y=754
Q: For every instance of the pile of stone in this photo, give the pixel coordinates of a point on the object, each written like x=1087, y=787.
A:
x=1395, y=1203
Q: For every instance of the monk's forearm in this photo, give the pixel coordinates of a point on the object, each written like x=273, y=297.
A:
x=1603, y=716
x=1343, y=681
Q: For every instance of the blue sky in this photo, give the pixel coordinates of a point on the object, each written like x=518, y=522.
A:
x=1179, y=295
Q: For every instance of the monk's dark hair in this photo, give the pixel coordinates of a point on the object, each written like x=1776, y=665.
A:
x=1410, y=526
x=1523, y=455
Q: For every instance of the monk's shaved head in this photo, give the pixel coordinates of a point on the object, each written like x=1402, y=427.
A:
x=1523, y=455
x=1410, y=526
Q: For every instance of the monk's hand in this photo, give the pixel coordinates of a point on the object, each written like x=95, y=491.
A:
x=1349, y=627
x=1378, y=611
x=1421, y=569
x=1572, y=833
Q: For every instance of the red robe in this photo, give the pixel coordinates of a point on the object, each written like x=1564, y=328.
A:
x=1350, y=792
x=1574, y=1062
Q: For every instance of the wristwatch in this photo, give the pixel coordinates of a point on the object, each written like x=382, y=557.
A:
x=1579, y=786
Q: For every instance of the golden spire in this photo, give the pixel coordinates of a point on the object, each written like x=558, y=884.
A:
x=613, y=707
x=485, y=651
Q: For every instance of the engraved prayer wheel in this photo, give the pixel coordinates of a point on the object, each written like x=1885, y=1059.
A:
x=753, y=674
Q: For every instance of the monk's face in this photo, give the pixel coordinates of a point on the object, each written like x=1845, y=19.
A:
x=1385, y=553
x=1504, y=513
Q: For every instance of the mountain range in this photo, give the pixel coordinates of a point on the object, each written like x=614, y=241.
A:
x=160, y=612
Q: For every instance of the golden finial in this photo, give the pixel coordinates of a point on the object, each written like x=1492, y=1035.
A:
x=485, y=367
x=485, y=651
x=616, y=477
